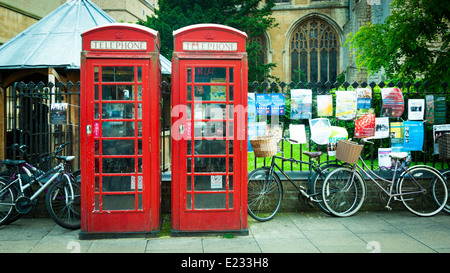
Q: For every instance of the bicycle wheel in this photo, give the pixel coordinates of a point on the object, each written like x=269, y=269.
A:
x=446, y=176
x=265, y=193
x=342, y=195
x=63, y=204
x=7, y=198
x=317, y=182
x=423, y=190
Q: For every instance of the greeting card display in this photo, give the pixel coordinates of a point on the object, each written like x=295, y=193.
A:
x=297, y=133
x=255, y=129
x=277, y=105
x=416, y=109
x=440, y=110
x=396, y=136
x=324, y=105
x=393, y=104
x=381, y=128
x=436, y=109
x=320, y=130
x=413, y=135
x=337, y=133
x=251, y=107
x=270, y=104
x=429, y=109
x=345, y=105
x=365, y=123
x=364, y=98
x=301, y=103
x=384, y=160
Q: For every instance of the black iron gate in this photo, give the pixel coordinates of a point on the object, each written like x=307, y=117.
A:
x=43, y=116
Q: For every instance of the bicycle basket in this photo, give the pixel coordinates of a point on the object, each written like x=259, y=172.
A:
x=264, y=146
x=443, y=146
x=348, y=151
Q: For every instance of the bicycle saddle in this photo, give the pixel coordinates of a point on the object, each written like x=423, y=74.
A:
x=66, y=158
x=399, y=155
x=13, y=162
x=313, y=154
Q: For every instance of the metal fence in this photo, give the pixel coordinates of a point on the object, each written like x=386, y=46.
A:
x=410, y=90
x=30, y=122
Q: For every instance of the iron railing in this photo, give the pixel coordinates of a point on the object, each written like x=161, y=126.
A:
x=29, y=121
x=409, y=89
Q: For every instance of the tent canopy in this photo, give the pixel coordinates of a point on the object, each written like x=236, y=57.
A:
x=55, y=40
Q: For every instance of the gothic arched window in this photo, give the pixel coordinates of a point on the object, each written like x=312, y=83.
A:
x=314, y=52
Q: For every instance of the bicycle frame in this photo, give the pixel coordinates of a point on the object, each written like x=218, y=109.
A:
x=370, y=174
x=312, y=166
x=56, y=171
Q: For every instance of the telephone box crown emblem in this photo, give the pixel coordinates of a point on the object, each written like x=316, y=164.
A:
x=210, y=35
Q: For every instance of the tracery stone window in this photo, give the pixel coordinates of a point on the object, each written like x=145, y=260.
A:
x=314, y=52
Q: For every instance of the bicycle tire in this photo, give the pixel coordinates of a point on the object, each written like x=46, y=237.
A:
x=63, y=207
x=264, y=194
x=7, y=200
x=446, y=176
x=317, y=182
x=423, y=190
x=340, y=199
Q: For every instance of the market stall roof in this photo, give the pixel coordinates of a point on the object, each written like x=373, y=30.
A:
x=55, y=40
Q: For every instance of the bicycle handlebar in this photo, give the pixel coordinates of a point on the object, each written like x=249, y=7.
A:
x=290, y=139
x=21, y=148
x=60, y=147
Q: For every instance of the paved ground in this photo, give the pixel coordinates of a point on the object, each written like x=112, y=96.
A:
x=312, y=232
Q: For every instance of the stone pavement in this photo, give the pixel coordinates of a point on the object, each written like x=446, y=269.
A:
x=309, y=232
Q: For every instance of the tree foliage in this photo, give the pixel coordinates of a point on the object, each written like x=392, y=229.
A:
x=246, y=15
x=412, y=43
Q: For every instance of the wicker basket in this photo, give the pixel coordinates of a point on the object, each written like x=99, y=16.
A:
x=444, y=146
x=348, y=151
x=264, y=146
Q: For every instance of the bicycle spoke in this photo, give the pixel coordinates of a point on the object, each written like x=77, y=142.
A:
x=343, y=192
x=64, y=204
x=264, y=194
x=423, y=191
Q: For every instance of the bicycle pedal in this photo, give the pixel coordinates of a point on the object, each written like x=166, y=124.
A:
x=388, y=207
x=310, y=203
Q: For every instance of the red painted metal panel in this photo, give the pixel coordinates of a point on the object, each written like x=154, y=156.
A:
x=209, y=130
x=120, y=130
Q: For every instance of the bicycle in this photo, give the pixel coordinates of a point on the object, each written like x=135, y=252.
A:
x=63, y=197
x=420, y=188
x=265, y=190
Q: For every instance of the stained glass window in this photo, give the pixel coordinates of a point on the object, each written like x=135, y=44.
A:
x=314, y=52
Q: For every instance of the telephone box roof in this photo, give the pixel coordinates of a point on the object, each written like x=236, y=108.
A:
x=55, y=40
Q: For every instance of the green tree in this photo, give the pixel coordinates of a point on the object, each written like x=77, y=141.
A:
x=249, y=16
x=412, y=43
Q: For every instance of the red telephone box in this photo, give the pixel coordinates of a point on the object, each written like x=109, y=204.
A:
x=120, y=128
x=209, y=130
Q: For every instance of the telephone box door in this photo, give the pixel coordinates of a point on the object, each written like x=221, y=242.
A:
x=119, y=194
x=207, y=159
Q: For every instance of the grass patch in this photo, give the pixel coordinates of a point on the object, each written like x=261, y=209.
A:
x=294, y=151
x=165, y=226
